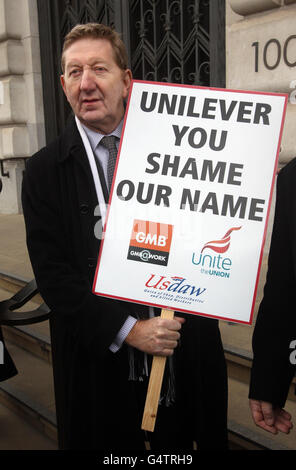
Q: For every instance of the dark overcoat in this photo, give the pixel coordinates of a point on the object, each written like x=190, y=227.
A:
x=275, y=330
x=97, y=406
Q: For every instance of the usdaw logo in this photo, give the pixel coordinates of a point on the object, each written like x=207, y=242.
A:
x=150, y=242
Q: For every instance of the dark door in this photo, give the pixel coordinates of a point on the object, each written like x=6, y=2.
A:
x=178, y=41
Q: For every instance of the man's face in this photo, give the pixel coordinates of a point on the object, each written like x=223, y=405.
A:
x=94, y=84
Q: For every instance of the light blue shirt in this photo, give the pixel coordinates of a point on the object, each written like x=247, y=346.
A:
x=100, y=152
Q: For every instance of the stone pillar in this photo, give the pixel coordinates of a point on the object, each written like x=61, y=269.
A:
x=261, y=56
x=21, y=100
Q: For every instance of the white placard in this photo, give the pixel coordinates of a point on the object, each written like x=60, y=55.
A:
x=190, y=199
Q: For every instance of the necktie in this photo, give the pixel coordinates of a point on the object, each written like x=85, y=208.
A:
x=109, y=142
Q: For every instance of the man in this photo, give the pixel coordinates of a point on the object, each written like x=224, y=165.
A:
x=275, y=330
x=102, y=348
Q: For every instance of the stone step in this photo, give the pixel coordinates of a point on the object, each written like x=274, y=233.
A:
x=17, y=434
x=12, y=283
x=242, y=430
x=30, y=394
x=32, y=338
x=236, y=340
x=27, y=400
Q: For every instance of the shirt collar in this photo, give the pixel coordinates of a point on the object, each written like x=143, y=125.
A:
x=95, y=137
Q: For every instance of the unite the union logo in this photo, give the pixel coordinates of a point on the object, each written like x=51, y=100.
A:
x=215, y=264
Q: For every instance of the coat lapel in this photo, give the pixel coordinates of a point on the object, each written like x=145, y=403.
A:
x=82, y=196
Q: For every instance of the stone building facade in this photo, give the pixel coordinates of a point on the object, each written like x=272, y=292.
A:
x=260, y=55
x=21, y=100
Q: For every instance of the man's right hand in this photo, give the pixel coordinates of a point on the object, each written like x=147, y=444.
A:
x=272, y=419
x=156, y=336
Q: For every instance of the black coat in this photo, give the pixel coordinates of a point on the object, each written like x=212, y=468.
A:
x=97, y=407
x=275, y=328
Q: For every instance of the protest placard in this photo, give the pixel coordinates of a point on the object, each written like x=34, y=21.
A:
x=190, y=199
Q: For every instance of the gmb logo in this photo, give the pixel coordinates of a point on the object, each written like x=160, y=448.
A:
x=150, y=242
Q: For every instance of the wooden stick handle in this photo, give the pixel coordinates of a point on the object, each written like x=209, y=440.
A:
x=154, y=386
